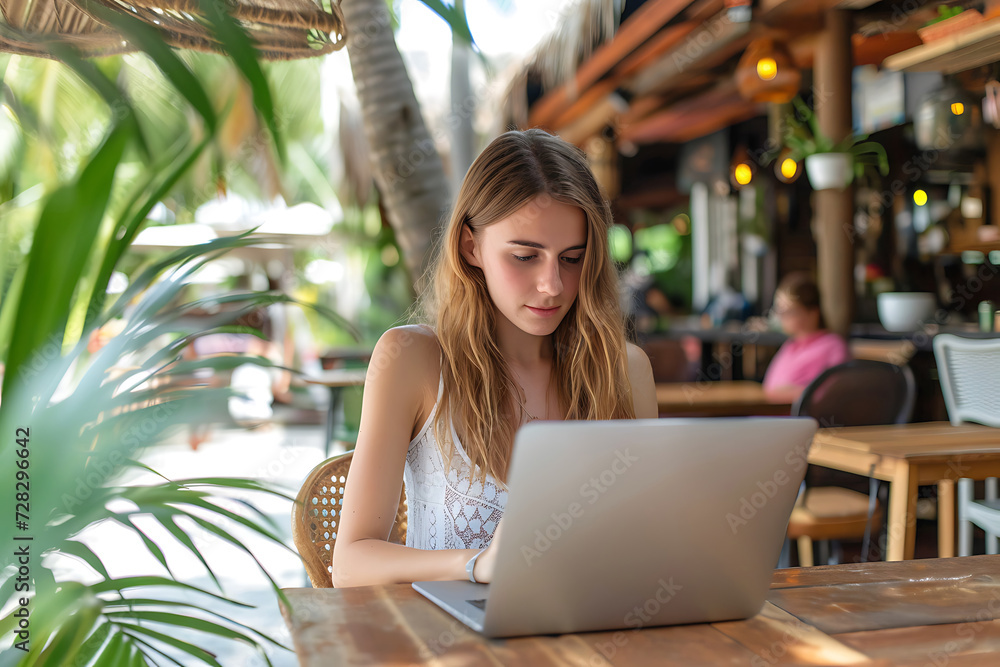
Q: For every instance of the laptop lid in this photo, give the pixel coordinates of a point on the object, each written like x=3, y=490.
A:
x=638, y=523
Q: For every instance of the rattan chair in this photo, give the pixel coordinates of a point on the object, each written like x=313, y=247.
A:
x=316, y=513
x=969, y=369
x=860, y=392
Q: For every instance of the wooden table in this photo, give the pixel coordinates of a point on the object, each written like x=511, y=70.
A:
x=717, y=399
x=336, y=380
x=907, y=455
x=926, y=612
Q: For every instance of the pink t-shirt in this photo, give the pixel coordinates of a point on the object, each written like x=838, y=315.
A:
x=801, y=360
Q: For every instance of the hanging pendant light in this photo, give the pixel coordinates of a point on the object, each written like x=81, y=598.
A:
x=742, y=168
x=786, y=168
x=765, y=73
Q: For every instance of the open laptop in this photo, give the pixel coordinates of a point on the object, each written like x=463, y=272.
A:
x=632, y=524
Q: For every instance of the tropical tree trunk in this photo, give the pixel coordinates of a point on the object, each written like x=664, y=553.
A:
x=408, y=170
x=462, y=107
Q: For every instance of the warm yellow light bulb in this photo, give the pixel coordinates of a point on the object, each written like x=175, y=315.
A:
x=920, y=197
x=957, y=108
x=743, y=173
x=767, y=68
x=789, y=168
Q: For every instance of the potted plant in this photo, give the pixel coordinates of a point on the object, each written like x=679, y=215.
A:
x=829, y=164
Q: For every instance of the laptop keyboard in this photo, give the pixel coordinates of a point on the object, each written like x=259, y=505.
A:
x=481, y=604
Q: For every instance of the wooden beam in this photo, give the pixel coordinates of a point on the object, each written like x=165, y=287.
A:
x=776, y=11
x=646, y=22
x=694, y=117
x=716, y=40
x=594, y=96
x=689, y=76
x=834, y=209
x=737, y=112
x=868, y=50
x=702, y=10
x=600, y=115
x=641, y=107
x=662, y=63
x=646, y=54
x=876, y=48
x=652, y=50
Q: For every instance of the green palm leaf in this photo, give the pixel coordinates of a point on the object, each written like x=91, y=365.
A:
x=93, y=645
x=57, y=262
x=142, y=203
x=83, y=442
x=137, y=632
x=115, y=652
x=134, y=603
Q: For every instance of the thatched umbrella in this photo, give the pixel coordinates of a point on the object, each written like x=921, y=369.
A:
x=282, y=29
x=581, y=28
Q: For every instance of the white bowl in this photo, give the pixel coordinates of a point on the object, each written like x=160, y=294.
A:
x=905, y=311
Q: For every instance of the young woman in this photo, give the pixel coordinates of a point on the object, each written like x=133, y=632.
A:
x=523, y=323
x=811, y=349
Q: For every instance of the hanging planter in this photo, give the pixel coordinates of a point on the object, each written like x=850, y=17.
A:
x=829, y=164
x=830, y=171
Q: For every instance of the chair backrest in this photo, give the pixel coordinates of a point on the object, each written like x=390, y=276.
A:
x=860, y=392
x=316, y=514
x=969, y=369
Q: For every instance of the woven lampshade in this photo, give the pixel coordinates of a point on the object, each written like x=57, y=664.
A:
x=766, y=73
x=281, y=29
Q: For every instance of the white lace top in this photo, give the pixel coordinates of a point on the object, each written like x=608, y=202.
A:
x=452, y=510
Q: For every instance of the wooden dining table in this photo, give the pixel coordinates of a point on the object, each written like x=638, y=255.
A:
x=927, y=612
x=906, y=456
x=722, y=398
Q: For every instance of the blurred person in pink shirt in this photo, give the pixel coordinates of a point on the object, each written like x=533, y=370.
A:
x=810, y=349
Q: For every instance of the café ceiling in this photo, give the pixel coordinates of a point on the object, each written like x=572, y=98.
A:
x=666, y=74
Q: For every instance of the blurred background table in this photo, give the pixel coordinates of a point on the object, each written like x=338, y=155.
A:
x=336, y=380
x=336, y=357
x=716, y=399
x=907, y=455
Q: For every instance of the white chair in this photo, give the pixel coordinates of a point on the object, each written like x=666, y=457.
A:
x=970, y=380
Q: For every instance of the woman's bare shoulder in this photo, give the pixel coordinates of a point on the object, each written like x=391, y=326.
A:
x=640, y=375
x=637, y=357
x=638, y=362
x=406, y=360
x=413, y=344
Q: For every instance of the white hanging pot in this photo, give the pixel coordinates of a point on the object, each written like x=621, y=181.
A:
x=828, y=171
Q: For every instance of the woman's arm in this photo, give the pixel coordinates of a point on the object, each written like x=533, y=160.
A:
x=395, y=388
x=640, y=376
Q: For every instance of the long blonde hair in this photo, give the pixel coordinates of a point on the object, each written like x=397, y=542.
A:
x=589, y=357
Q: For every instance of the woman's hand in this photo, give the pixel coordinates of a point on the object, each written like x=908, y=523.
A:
x=485, y=564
